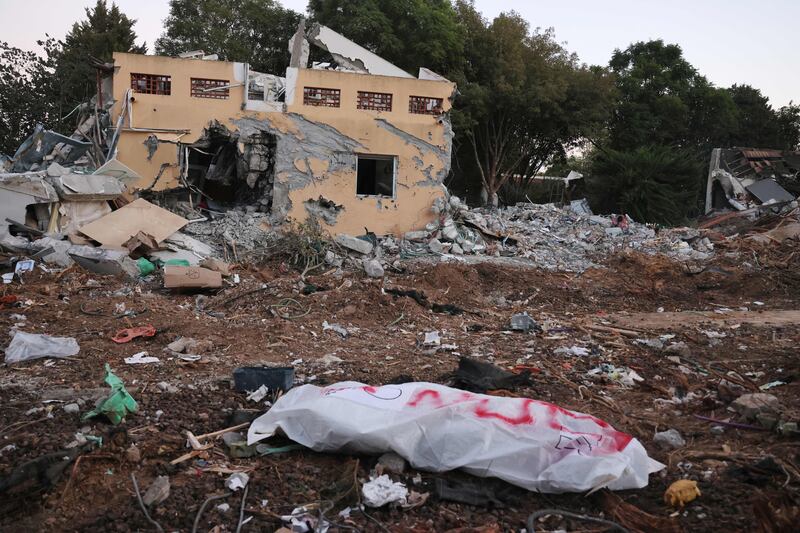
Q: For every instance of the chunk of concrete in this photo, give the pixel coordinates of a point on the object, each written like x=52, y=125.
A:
x=391, y=462
x=354, y=243
x=373, y=268
x=669, y=440
x=751, y=406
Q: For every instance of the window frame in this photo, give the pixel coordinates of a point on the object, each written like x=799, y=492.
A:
x=371, y=101
x=324, y=101
x=152, y=83
x=415, y=103
x=199, y=92
x=380, y=157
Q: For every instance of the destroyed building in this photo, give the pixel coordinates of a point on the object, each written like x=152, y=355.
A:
x=744, y=178
x=356, y=142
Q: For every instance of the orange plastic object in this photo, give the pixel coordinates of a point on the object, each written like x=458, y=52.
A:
x=128, y=334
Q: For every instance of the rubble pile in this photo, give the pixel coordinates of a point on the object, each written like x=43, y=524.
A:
x=244, y=230
x=568, y=238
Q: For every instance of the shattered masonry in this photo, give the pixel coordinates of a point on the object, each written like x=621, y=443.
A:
x=289, y=146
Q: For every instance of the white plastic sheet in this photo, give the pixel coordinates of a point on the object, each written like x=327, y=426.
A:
x=535, y=445
x=25, y=346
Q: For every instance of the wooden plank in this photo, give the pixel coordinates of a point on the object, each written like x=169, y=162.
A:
x=140, y=215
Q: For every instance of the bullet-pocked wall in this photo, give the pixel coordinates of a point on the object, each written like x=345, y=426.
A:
x=354, y=150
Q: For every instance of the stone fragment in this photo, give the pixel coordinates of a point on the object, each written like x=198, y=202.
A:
x=391, y=462
x=354, y=243
x=750, y=406
x=373, y=268
x=669, y=440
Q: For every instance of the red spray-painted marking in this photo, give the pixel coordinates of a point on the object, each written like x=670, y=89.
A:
x=525, y=416
x=619, y=440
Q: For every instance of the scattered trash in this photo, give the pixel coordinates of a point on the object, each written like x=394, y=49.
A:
x=258, y=394
x=336, y=328
x=624, y=376
x=128, y=334
x=251, y=378
x=72, y=408
x=771, y=385
x=237, y=481
x=28, y=346
x=223, y=507
x=157, y=492
x=432, y=338
x=523, y=322
x=681, y=492
x=145, y=266
x=118, y=404
x=479, y=376
x=588, y=453
x=141, y=358
x=578, y=351
x=381, y=490
x=669, y=440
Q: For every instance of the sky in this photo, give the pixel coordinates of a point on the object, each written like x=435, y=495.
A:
x=731, y=41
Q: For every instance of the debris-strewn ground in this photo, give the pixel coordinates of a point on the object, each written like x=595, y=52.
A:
x=637, y=313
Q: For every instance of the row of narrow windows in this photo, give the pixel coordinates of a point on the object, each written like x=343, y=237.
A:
x=312, y=96
x=324, y=97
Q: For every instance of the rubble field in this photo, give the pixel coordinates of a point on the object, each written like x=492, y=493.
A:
x=639, y=341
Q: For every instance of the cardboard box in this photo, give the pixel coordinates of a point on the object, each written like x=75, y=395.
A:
x=191, y=278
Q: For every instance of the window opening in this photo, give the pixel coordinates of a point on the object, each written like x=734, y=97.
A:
x=376, y=175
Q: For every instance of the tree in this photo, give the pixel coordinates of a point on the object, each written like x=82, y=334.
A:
x=789, y=127
x=664, y=100
x=250, y=31
x=524, y=98
x=650, y=183
x=408, y=33
x=26, y=88
x=106, y=30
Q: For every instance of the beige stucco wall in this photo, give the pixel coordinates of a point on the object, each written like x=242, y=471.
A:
x=315, y=144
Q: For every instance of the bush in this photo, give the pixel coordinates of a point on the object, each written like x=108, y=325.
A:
x=657, y=184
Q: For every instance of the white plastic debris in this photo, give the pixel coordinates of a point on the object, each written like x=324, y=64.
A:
x=336, y=328
x=237, y=481
x=258, y=394
x=533, y=444
x=27, y=346
x=578, y=351
x=223, y=507
x=381, y=490
x=141, y=358
x=432, y=338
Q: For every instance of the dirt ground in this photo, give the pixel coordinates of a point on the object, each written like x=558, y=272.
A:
x=748, y=478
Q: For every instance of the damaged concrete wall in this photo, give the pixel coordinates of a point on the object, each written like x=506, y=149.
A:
x=316, y=148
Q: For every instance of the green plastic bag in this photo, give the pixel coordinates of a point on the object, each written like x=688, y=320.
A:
x=178, y=262
x=145, y=266
x=119, y=402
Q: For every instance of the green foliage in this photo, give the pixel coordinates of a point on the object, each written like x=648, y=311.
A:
x=789, y=126
x=26, y=85
x=106, y=30
x=408, y=33
x=650, y=183
x=251, y=31
x=524, y=98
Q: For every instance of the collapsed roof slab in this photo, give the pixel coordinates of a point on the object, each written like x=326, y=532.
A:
x=352, y=56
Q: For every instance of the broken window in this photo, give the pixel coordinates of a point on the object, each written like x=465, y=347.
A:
x=374, y=101
x=205, y=88
x=376, y=175
x=319, y=96
x=424, y=105
x=151, y=84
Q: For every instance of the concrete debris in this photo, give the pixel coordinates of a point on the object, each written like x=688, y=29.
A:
x=751, y=406
x=353, y=243
x=669, y=440
x=546, y=236
x=523, y=322
x=373, y=268
x=336, y=328
x=392, y=463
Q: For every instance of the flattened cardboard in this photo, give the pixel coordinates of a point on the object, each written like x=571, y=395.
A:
x=191, y=278
x=140, y=215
